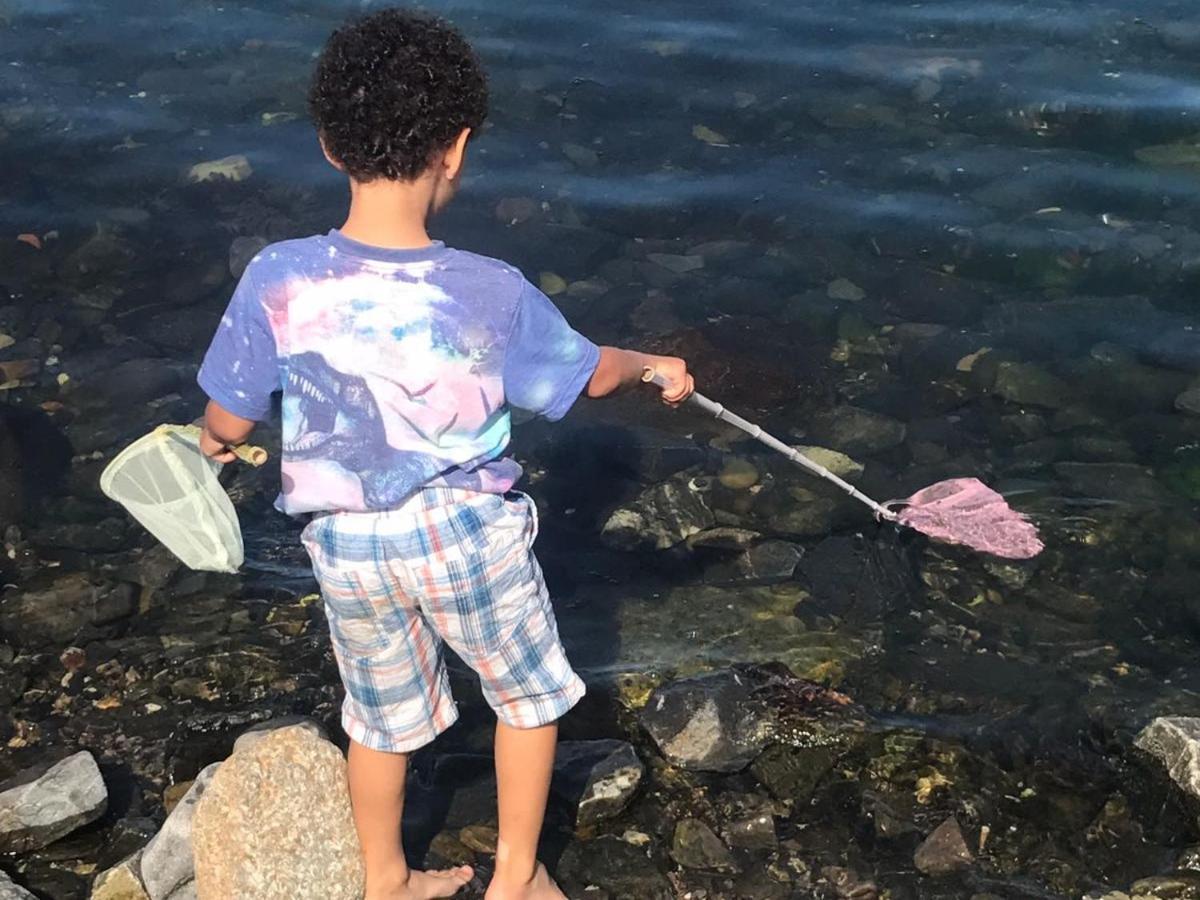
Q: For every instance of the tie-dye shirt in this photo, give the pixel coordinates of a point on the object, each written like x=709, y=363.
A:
x=398, y=367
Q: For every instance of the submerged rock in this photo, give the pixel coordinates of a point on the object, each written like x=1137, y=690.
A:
x=660, y=518
x=275, y=823
x=65, y=606
x=599, y=777
x=621, y=870
x=46, y=803
x=242, y=250
x=696, y=846
x=9, y=890
x=231, y=168
x=853, y=430
x=944, y=851
x=166, y=862
x=1175, y=742
x=1025, y=383
x=709, y=723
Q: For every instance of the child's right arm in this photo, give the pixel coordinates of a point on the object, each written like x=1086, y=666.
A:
x=620, y=369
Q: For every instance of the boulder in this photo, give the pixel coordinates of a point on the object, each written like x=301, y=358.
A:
x=1027, y=384
x=663, y=516
x=121, y=882
x=709, y=723
x=249, y=738
x=621, y=870
x=944, y=851
x=599, y=778
x=12, y=891
x=1175, y=742
x=166, y=862
x=43, y=804
x=275, y=824
x=696, y=846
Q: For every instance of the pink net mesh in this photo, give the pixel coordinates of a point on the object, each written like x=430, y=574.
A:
x=966, y=511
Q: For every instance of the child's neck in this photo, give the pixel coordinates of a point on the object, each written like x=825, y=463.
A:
x=390, y=214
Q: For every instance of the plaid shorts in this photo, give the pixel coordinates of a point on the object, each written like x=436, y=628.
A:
x=447, y=566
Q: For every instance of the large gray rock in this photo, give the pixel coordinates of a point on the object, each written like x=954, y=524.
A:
x=660, y=518
x=46, y=803
x=275, y=824
x=12, y=891
x=1175, y=742
x=710, y=723
x=599, y=777
x=166, y=863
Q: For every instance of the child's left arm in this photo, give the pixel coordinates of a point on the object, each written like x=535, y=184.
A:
x=223, y=430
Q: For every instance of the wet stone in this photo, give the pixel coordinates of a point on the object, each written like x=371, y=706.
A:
x=121, y=882
x=599, y=778
x=1175, y=742
x=791, y=773
x=944, y=851
x=852, y=430
x=1124, y=482
x=660, y=518
x=839, y=464
x=770, y=562
x=10, y=890
x=708, y=723
x=696, y=846
x=858, y=579
x=751, y=824
x=624, y=871
x=43, y=804
x=1025, y=383
x=166, y=862
x=1176, y=886
x=242, y=250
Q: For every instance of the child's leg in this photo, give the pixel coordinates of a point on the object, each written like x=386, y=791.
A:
x=377, y=799
x=524, y=764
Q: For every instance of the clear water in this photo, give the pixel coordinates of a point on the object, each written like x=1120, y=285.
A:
x=1017, y=176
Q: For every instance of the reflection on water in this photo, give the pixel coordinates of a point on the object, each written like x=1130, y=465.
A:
x=944, y=238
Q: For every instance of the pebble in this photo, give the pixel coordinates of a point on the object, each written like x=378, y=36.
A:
x=584, y=157
x=696, y=846
x=845, y=289
x=709, y=136
x=738, y=474
x=552, y=284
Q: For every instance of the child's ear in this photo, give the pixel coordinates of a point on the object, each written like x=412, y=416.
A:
x=452, y=162
x=329, y=156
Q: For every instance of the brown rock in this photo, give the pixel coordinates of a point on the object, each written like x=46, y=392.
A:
x=121, y=882
x=275, y=824
x=944, y=851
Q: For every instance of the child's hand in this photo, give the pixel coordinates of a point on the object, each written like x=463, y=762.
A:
x=214, y=449
x=673, y=377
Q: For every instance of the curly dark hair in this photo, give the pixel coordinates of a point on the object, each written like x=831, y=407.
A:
x=391, y=90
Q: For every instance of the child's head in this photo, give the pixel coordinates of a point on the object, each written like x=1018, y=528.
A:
x=395, y=96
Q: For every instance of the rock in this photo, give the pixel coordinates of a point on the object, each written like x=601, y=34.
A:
x=661, y=517
x=792, y=774
x=1026, y=383
x=845, y=289
x=552, y=284
x=45, y=803
x=1175, y=742
x=738, y=474
x=753, y=827
x=232, y=168
x=1123, y=482
x=769, y=562
x=1189, y=400
x=583, y=157
x=166, y=862
x=275, y=824
x=480, y=838
x=677, y=263
x=138, y=381
x=249, y=738
x=857, y=579
x=515, y=210
x=1177, y=155
x=944, y=851
x=696, y=846
x=620, y=869
x=9, y=890
x=724, y=538
x=70, y=603
x=855, y=430
x=709, y=723
x=242, y=250
x=599, y=778
x=121, y=882
x=839, y=464
x=1175, y=886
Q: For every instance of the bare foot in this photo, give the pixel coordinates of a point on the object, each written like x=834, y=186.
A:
x=542, y=887
x=425, y=885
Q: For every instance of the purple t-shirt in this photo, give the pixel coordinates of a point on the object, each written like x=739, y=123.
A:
x=398, y=367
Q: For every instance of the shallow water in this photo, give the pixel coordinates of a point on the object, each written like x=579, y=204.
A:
x=976, y=219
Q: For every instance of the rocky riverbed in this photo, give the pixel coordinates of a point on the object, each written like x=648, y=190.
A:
x=940, y=256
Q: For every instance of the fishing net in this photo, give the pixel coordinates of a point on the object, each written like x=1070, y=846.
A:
x=966, y=511
x=171, y=488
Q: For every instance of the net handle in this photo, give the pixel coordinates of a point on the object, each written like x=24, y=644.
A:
x=716, y=410
x=247, y=453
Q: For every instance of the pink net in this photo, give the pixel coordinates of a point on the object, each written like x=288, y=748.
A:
x=966, y=511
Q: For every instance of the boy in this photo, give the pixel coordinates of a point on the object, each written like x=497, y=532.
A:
x=399, y=359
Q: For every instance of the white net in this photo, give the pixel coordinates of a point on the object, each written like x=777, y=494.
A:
x=168, y=485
